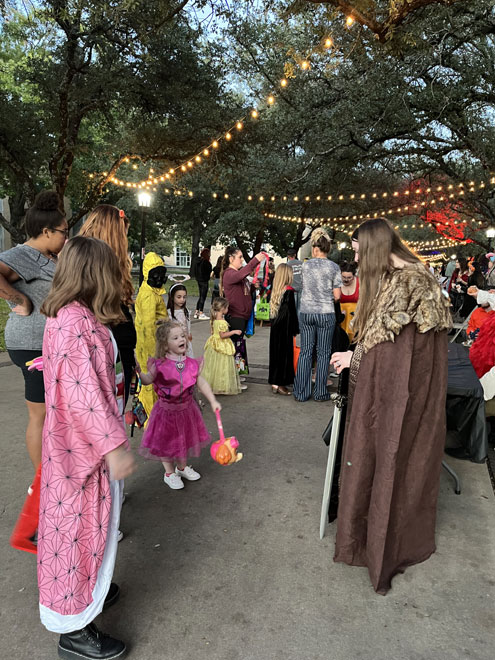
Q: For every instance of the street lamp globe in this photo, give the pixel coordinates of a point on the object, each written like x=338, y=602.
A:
x=490, y=232
x=453, y=256
x=144, y=199
x=342, y=246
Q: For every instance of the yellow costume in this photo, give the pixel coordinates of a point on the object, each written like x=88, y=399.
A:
x=219, y=368
x=150, y=308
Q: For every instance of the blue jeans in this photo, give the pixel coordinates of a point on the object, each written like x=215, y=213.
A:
x=315, y=329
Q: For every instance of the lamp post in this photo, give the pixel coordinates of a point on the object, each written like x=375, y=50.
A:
x=490, y=234
x=144, y=201
x=342, y=246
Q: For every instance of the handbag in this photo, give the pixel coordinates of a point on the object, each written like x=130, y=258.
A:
x=240, y=357
x=296, y=350
x=137, y=415
x=250, y=325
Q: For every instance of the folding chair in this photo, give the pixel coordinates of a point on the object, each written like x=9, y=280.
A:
x=460, y=327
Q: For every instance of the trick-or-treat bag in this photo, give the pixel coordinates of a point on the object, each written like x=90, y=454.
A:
x=262, y=310
x=241, y=361
x=250, y=325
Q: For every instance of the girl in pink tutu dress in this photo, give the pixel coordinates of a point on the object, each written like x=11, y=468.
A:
x=176, y=429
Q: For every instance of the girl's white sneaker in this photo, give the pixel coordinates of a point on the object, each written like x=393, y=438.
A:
x=174, y=481
x=188, y=473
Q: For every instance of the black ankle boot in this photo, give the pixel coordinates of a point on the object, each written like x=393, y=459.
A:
x=113, y=596
x=90, y=643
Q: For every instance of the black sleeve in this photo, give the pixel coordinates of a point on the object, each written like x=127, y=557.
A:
x=294, y=321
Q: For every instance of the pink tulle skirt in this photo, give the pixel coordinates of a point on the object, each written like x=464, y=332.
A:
x=175, y=430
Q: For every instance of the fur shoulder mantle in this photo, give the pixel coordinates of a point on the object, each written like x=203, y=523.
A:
x=407, y=295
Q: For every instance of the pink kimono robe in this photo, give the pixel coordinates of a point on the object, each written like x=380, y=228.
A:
x=82, y=424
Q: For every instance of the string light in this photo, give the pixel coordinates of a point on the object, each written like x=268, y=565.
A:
x=271, y=100
x=349, y=21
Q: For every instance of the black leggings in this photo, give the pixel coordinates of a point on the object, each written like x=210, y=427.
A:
x=203, y=292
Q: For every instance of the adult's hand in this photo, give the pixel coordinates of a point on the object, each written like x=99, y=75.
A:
x=341, y=361
x=24, y=306
x=473, y=291
x=121, y=463
x=260, y=256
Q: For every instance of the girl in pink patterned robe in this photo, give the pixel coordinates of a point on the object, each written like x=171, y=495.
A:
x=84, y=454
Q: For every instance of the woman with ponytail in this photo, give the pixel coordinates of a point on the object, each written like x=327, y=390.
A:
x=321, y=282
x=235, y=287
x=26, y=273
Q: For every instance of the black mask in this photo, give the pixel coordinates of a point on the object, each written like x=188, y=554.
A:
x=157, y=277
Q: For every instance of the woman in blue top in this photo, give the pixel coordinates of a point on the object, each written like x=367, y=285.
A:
x=26, y=273
x=321, y=282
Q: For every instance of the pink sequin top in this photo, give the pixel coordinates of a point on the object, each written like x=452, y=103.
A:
x=175, y=384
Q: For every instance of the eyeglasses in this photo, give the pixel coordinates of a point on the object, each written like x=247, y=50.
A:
x=65, y=232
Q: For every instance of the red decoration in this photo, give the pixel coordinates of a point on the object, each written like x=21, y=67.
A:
x=447, y=222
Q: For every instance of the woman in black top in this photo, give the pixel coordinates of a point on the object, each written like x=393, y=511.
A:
x=203, y=271
x=109, y=224
x=216, y=273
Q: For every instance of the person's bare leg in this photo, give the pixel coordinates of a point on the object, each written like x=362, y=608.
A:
x=169, y=467
x=181, y=463
x=34, y=431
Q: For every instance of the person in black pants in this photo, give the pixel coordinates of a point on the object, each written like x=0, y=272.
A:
x=110, y=224
x=203, y=271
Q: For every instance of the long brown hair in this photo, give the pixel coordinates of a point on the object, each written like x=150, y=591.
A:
x=109, y=224
x=87, y=272
x=378, y=241
x=282, y=279
x=229, y=252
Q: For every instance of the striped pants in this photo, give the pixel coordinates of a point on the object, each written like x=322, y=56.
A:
x=315, y=329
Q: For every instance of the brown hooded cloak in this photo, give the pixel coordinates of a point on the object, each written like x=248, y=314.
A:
x=395, y=431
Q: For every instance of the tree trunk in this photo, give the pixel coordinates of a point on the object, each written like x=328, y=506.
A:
x=17, y=204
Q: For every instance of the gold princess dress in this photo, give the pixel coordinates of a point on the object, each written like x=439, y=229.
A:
x=219, y=368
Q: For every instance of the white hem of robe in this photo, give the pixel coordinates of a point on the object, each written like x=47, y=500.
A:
x=67, y=623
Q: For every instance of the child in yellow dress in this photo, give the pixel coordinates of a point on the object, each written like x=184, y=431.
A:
x=219, y=368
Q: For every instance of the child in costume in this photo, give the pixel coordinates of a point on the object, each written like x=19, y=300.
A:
x=177, y=311
x=219, y=364
x=284, y=327
x=150, y=308
x=85, y=451
x=176, y=429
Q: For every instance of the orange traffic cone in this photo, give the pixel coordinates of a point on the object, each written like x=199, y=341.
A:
x=27, y=523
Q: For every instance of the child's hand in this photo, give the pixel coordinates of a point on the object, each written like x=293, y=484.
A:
x=216, y=406
x=237, y=332
x=137, y=367
x=151, y=367
x=121, y=463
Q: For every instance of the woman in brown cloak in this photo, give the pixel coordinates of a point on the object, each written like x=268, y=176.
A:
x=395, y=431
